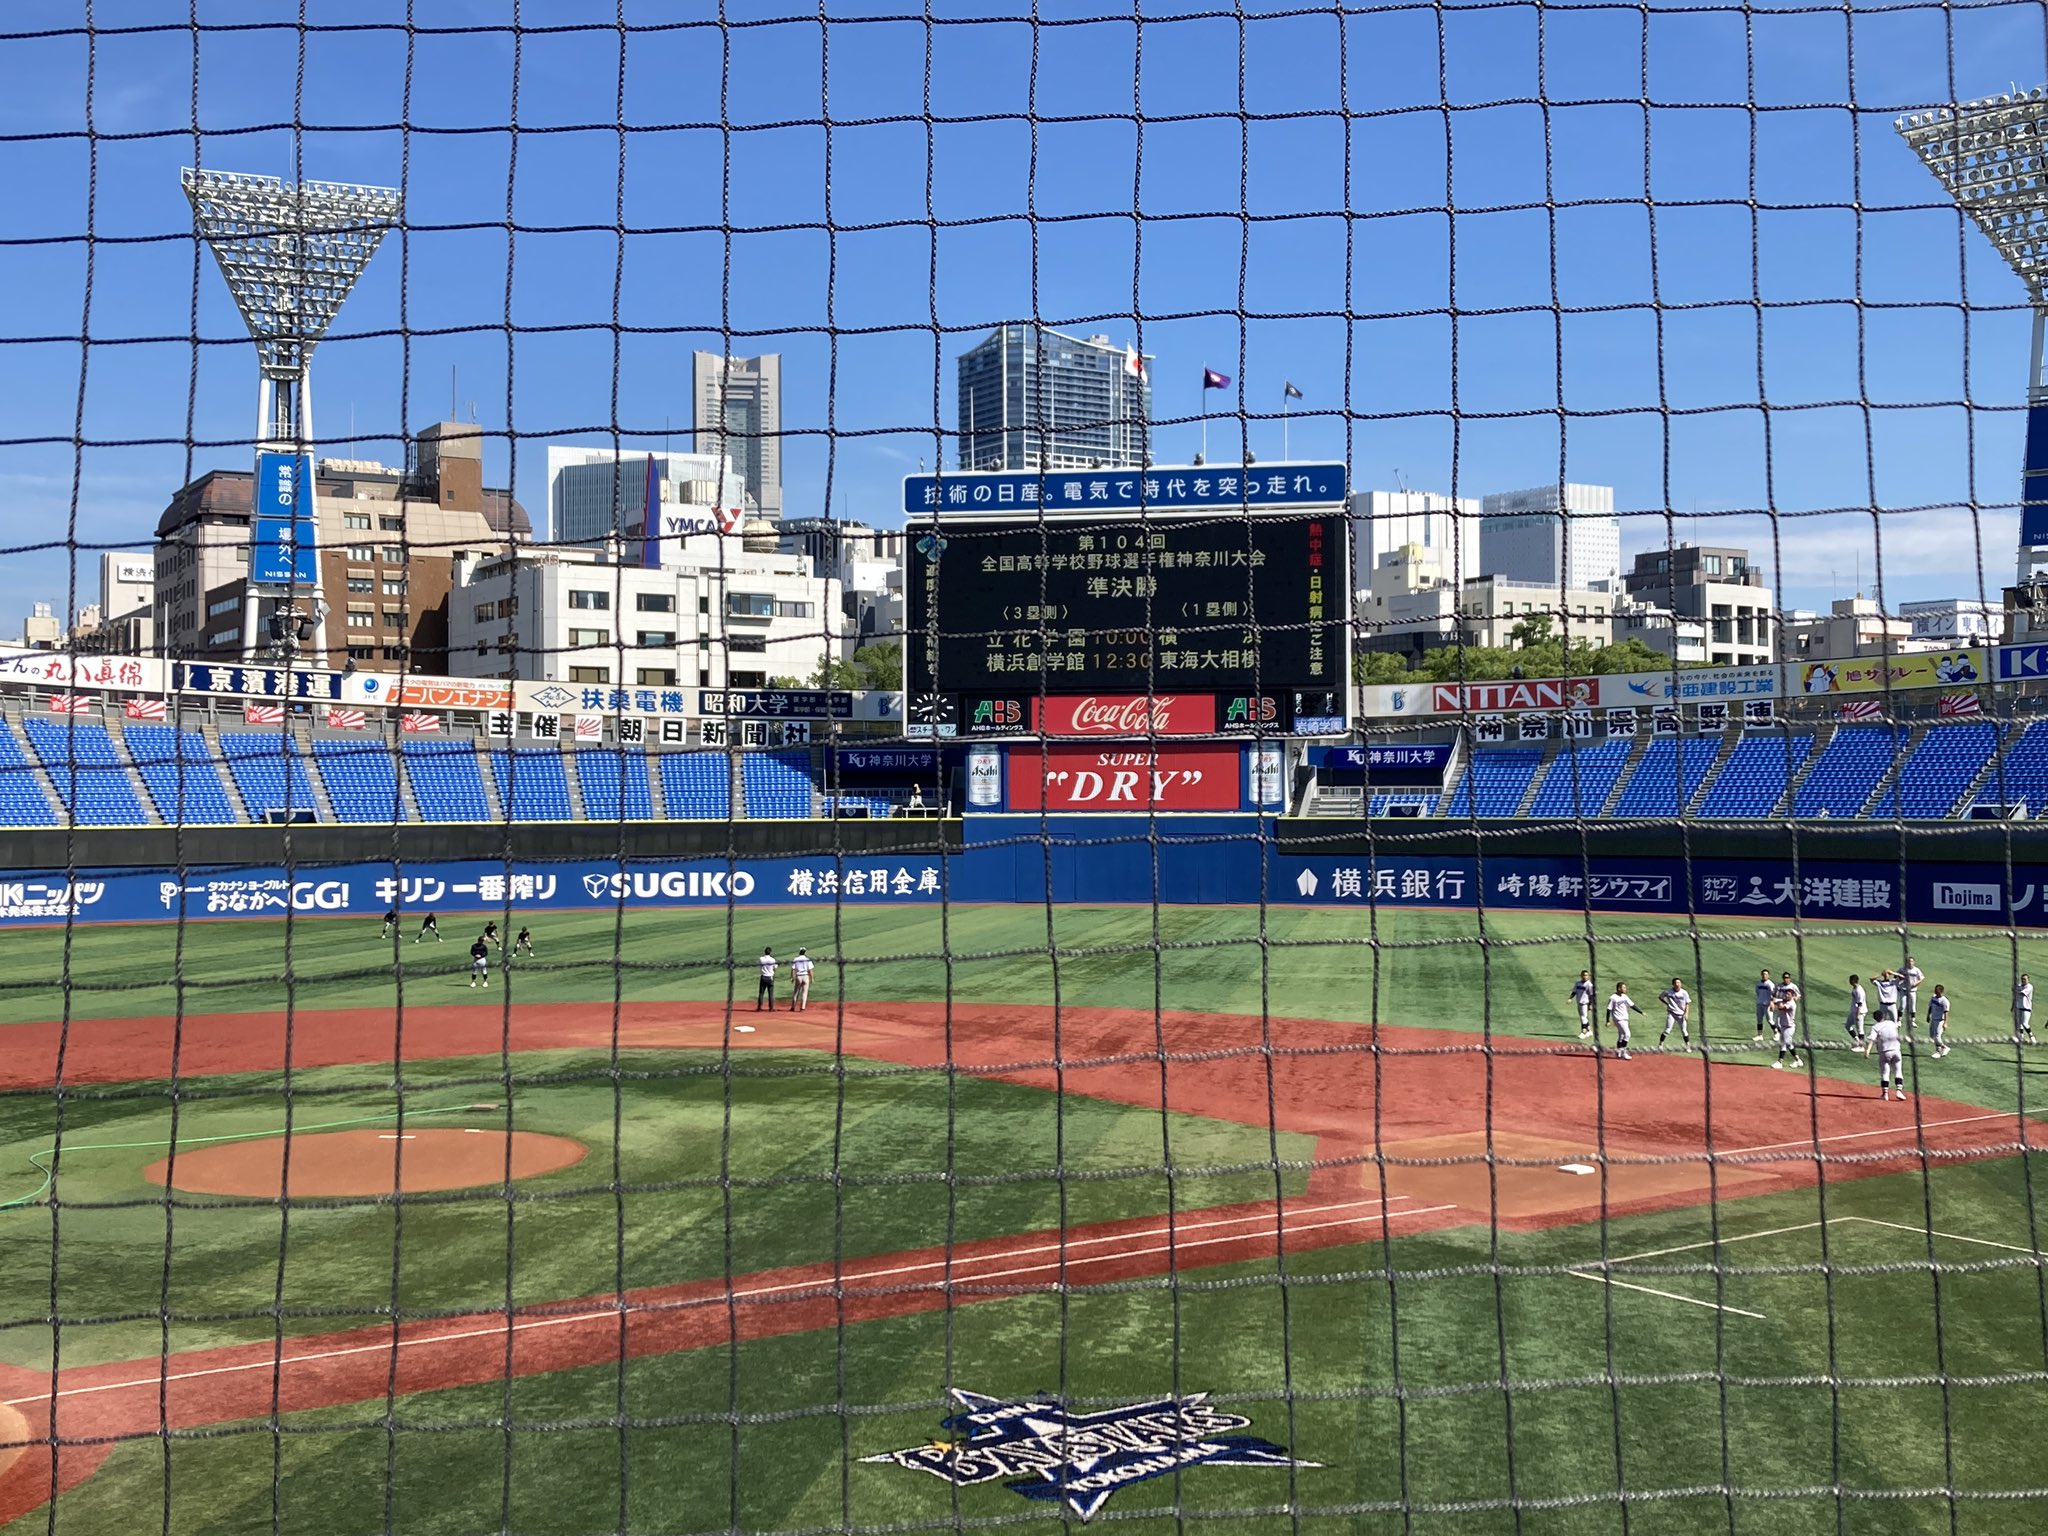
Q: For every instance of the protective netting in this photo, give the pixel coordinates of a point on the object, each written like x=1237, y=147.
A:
x=1024, y=525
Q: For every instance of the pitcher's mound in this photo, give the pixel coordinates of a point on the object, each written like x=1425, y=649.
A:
x=365, y=1162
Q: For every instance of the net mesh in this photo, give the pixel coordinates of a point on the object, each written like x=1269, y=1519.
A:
x=1262, y=1169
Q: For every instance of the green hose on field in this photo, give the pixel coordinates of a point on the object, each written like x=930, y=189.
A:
x=49, y=1168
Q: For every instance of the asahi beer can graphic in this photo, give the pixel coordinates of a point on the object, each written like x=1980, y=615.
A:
x=1265, y=775
x=984, y=776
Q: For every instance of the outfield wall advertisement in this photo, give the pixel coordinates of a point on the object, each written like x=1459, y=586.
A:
x=1187, y=861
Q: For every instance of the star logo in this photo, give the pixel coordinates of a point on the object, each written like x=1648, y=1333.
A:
x=1044, y=1451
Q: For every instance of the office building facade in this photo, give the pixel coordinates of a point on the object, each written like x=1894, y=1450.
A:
x=594, y=493
x=737, y=412
x=1717, y=585
x=1444, y=528
x=1567, y=536
x=1033, y=398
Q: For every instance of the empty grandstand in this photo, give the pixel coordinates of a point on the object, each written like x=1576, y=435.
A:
x=90, y=774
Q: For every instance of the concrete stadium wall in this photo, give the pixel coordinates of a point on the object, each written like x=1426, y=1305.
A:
x=1956, y=873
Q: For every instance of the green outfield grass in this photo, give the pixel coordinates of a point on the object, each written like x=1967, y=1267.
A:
x=1809, y=1359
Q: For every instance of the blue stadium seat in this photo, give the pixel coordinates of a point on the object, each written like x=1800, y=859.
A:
x=179, y=773
x=533, y=784
x=361, y=779
x=776, y=783
x=613, y=778
x=1656, y=787
x=1494, y=782
x=84, y=764
x=22, y=801
x=1753, y=782
x=1937, y=771
x=1598, y=767
x=269, y=771
x=446, y=781
x=697, y=785
x=1383, y=805
x=2023, y=776
x=1848, y=769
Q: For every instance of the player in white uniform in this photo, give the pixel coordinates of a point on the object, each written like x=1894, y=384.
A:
x=1677, y=1012
x=1786, y=1004
x=1884, y=1039
x=1887, y=984
x=800, y=983
x=1937, y=1021
x=1618, y=1008
x=2023, y=1011
x=1582, y=996
x=1909, y=992
x=1857, y=1004
x=1766, y=1004
x=764, y=995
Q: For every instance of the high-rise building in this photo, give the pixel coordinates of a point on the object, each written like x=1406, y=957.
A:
x=1033, y=398
x=1569, y=540
x=596, y=492
x=737, y=406
x=1445, y=528
x=1715, y=584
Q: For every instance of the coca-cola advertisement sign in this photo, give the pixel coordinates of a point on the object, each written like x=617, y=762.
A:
x=1127, y=715
x=1071, y=777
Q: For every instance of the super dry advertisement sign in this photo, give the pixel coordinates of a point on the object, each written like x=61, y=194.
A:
x=1065, y=776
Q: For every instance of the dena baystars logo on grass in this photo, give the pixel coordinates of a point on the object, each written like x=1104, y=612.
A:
x=1042, y=1450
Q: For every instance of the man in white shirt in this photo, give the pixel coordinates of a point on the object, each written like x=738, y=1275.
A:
x=2023, y=1010
x=764, y=997
x=1884, y=1038
x=1909, y=989
x=800, y=983
x=1766, y=1003
x=1937, y=1020
x=1787, y=1006
x=1618, y=1007
x=1858, y=1002
x=1582, y=998
x=1677, y=1012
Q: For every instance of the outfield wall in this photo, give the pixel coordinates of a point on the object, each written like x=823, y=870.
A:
x=1952, y=873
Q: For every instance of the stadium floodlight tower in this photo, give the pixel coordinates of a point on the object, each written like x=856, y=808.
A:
x=1992, y=156
x=290, y=254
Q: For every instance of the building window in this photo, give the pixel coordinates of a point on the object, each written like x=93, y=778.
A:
x=655, y=677
x=394, y=587
x=793, y=610
x=362, y=653
x=599, y=601
x=361, y=584
x=361, y=618
x=394, y=554
x=1713, y=564
x=655, y=602
x=750, y=605
x=484, y=611
x=703, y=678
x=394, y=653
x=657, y=637
x=225, y=605
x=391, y=524
x=747, y=679
x=354, y=520
x=756, y=644
x=588, y=638
x=361, y=552
x=703, y=605
x=226, y=637
x=394, y=616
x=590, y=674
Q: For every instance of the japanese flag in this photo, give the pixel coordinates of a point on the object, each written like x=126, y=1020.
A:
x=1134, y=365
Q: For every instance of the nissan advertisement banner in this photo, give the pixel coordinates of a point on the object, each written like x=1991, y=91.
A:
x=1065, y=776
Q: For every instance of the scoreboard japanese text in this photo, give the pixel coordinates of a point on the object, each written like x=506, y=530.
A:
x=1246, y=611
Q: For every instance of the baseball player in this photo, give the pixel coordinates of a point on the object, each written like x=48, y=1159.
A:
x=1858, y=1005
x=2023, y=1011
x=479, y=963
x=1766, y=1004
x=1618, y=1008
x=1887, y=984
x=1677, y=1012
x=1909, y=991
x=390, y=923
x=764, y=995
x=1582, y=997
x=800, y=983
x=1787, y=1006
x=523, y=945
x=491, y=932
x=1937, y=1021
x=1884, y=1037
x=428, y=924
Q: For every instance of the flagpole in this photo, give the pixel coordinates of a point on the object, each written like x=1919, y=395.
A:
x=1205, y=417
x=1284, y=398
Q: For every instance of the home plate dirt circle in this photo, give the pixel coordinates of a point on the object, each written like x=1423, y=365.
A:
x=365, y=1162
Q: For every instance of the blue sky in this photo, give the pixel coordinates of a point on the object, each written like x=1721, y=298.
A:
x=1628, y=334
